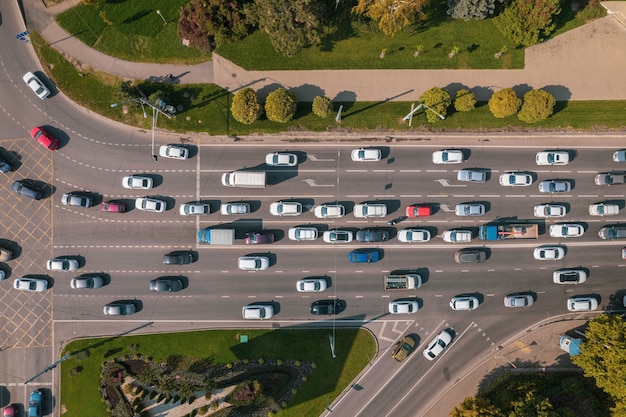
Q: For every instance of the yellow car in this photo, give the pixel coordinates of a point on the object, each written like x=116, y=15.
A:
x=403, y=349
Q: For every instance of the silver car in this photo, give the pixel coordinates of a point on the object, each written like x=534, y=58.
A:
x=603, y=209
x=62, y=263
x=149, y=204
x=518, y=300
x=582, y=303
x=337, y=236
x=87, y=281
x=257, y=312
x=119, y=308
x=469, y=209
x=302, y=233
x=194, y=208
x=472, y=175
x=30, y=284
x=413, y=235
x=555, y=186
x=239, y=209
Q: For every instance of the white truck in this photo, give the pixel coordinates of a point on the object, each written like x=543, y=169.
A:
x=217, y=236
x=244, y=179
x=402, y=282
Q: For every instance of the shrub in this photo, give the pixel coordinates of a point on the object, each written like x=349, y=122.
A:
x=438, y=100
x=261, y=361
x=280, y=105
x=215, y=405
x=465, y=100
x=245, y=107
x=322, y=106
x=538, y=105
x=203, y=410
x=82, y=354
x=528, y=22
x=229, y=365
x=304, y=378
x=593, y=10
x=504, y=103
x=133, y=347
x=313, y=365
x=245, y=361
x=471, y=9
x=193, y=26
x=279, y=362
x=298, y=363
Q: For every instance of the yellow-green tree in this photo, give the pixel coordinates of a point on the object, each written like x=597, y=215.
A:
x=322, y=106
x=280, y=105
x=465, y=100
x=245, y=107
x=476, y=407
x=504, y=103
x=538, y=105
x=392, y=15
x=438, y=100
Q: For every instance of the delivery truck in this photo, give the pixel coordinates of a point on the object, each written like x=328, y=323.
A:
x=508, y=231
x=216, y=236
x=402, y=282
x=244, y=179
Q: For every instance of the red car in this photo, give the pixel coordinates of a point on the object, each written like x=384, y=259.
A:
x=114, y=207
x=9, y=411
x=44, y=137
x=418, y=211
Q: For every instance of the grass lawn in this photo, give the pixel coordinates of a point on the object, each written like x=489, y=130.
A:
x=353, y=347
x=206, y=108
x=132, y=30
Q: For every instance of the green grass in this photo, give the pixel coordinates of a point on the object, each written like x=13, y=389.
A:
x=134, y=31
x=354, y=348
x=206, y=108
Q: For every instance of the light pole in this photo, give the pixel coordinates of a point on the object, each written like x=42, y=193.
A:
x=159, y=13
x=155, y=115
x=409, y=116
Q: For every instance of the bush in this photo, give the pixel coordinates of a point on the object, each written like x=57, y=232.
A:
x=280, y=105
x=203, y=410
x=133, y=347
x=298, y=363
x=593, y=10
x=538, y=105
x=438, y=100
x=215, y=405
x=245, y=107
x=83, y=354
x=504, y=103
x=322, y=106
x=279, y=362
x=471, y=9
x=229, y=365
x=261, y=361
x=528, y=22
x=465, y=100
x=76, y=371
x=245, y=361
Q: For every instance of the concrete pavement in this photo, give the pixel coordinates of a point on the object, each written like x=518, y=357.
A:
x=583, y=64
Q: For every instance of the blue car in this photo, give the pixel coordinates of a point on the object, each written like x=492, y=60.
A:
x=364, y=255
x=34, y=404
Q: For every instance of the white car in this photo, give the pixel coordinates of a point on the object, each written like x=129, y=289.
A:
x=448, y=156
x=137, y=182
x=552, y=158
x=569, y=276
x=174, y=151
x=555, y=186
x=311, y=285
x=469, y=209
x=329, y=211
x=337, y=236
x=366, y=154
x=286, y=208
x=365, y=210
x=229, y=209
x=194, y=208
x=549, y=253
x=550, y=210
x=253, y=263
x=302, y=233
x=403, y=306
x=281, y=159
x=566, y=230
x=35, y=84
x=518, y=300
x=437, y=346
x=455, y=236
x=62, y=263
x=619, y=156
x=413, y=235
x=472, y=175
x=516, y=179
x=153, y=205
x=464, y=303
x=30, y=284
x=257, y=312
x=582, y=303
x=603, y=209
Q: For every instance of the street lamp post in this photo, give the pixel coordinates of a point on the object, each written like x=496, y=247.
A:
x=414, y=109
x=155, y=115
x=159, y=13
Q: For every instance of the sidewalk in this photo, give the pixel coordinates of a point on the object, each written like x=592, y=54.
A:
x=583, y=64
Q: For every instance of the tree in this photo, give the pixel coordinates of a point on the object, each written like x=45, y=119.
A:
x=245, y=107
x=533, y=405
x=603, y=354
x=290, y=24
x=504, y=103
x=476, y=407
x=465, y=100
x=210, y=23
x=322, y=106
x=392, y=15
x=438, y=100
x=538, y=105
x=472, y=9
x=528, y=22
x=281, y=105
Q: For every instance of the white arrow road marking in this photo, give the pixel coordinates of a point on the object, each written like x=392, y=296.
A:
x=446, y=183
x=312, y=183
x=316, y=159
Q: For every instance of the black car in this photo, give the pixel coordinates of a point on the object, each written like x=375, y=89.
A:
x=178, y=258
x=470, y=255
x=325, y=307
x=4, y=166
x=166, y=284
x=27, y=189
x=372, y=235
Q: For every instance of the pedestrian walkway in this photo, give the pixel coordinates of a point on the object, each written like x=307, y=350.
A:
x=586, y=63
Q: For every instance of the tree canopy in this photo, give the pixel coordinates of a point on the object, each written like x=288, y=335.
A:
x=472, y=9
x=504, y=103
x=528, y=22
x=465, y=100
x=290, y=24
x=604, y=354
x=438, y=100
x=538, y=105
x=392, y=15
x=476, y=407
x=245, y=107
x=281, y=105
